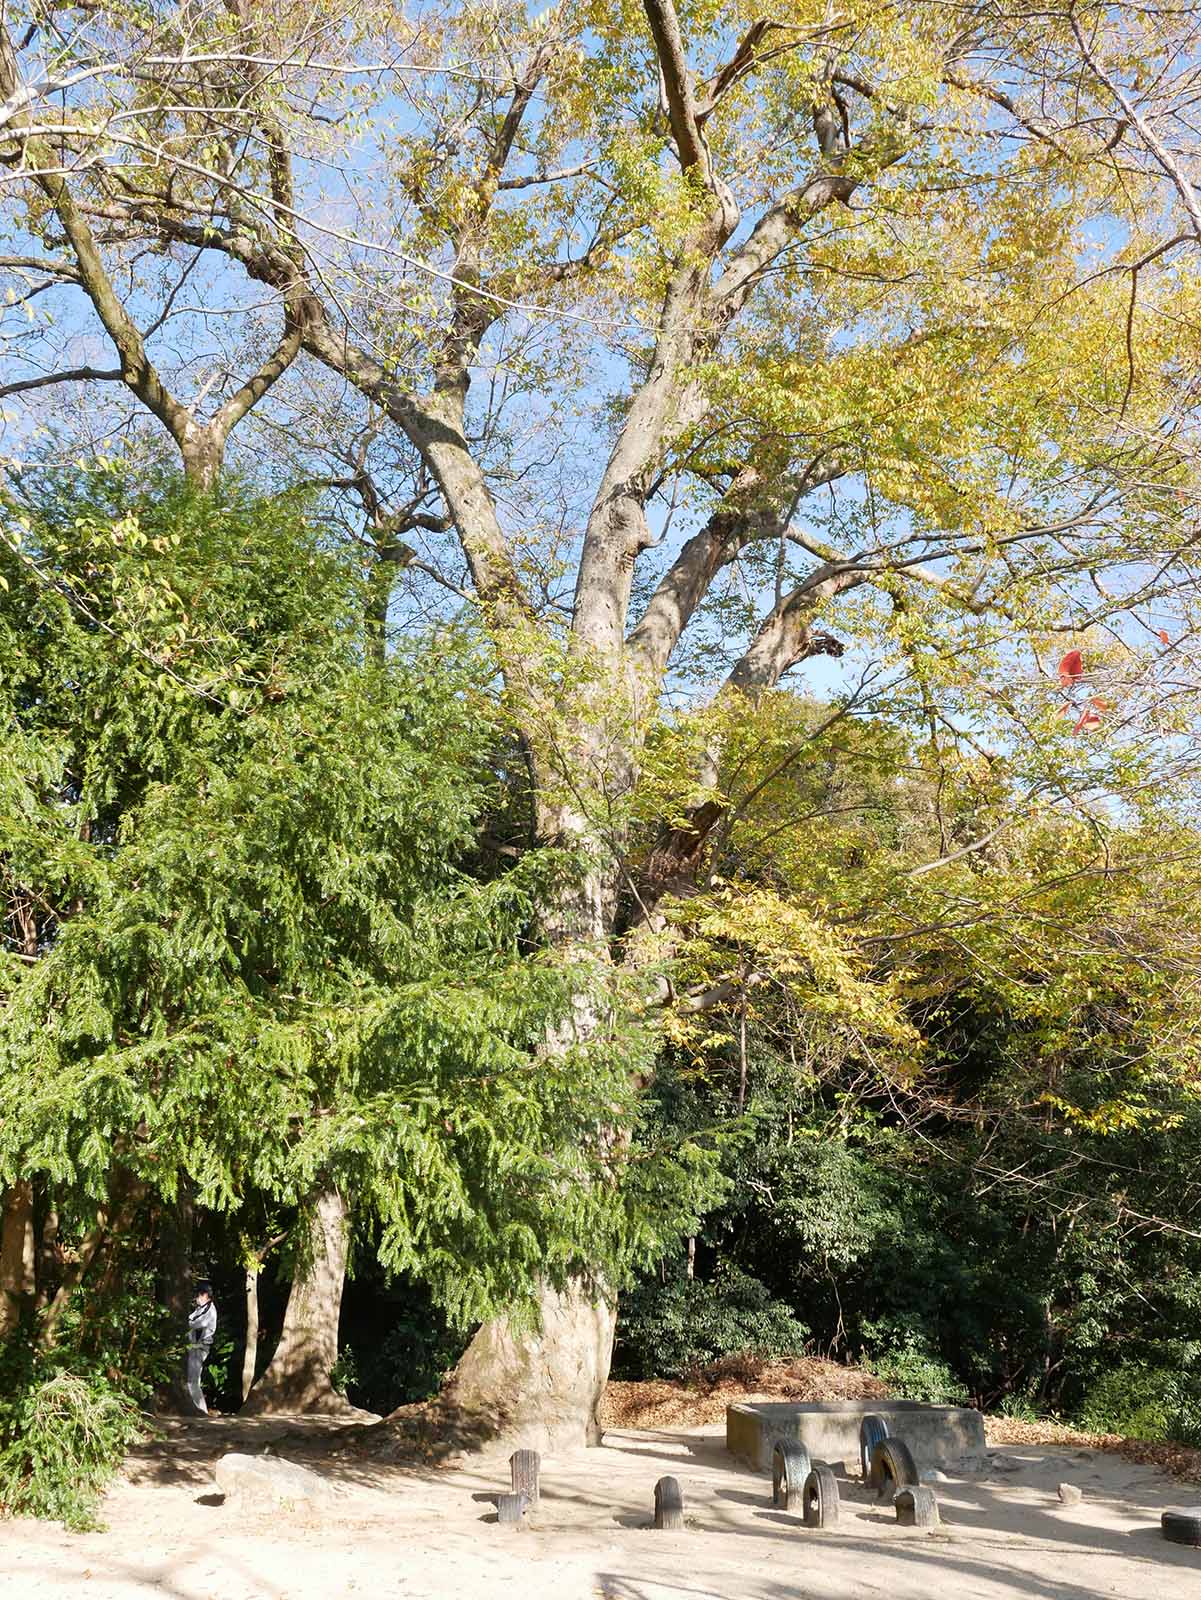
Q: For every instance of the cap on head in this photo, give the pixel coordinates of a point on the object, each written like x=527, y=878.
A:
x=205, y=1287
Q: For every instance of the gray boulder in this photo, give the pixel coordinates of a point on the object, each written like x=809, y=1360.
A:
x=270, y=1482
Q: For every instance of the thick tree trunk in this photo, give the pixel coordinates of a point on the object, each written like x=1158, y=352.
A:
x=203, y=451
x=18, y=1260
x=538, y=1391
x=541, y=1389
x=298, y=1377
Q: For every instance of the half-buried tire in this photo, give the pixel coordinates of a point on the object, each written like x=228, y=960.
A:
x=916, y=1507
x=872, y=1429
x=819, y=1498
x=790, y=1466
x=892, y=1468
x=1182, y=1527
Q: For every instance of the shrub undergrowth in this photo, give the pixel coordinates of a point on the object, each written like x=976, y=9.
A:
x=63, y=1436
x=666, y=1331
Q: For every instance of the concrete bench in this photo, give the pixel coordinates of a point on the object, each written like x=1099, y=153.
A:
x=938, y=1436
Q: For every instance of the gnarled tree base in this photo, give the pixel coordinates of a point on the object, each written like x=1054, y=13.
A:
x=309, y=1400
x=524, y=1390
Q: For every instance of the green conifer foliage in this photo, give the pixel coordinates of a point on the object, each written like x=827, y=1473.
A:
x=241, y=942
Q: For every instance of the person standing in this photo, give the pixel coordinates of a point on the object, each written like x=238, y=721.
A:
x=202, y=1325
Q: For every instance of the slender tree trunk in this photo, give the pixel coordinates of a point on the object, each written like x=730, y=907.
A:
x=251, y=1349
x=18, y=1280
x=175, y=1288
x=381, y=580
x=47, y=1254
x=742, y=1060
x=298, y=1377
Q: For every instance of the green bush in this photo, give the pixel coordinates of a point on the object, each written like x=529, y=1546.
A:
x=1142, y=1401
x=1020, y=1405
x=122, y=1330
x=344, y=1374
x=667, y=1329
x=223, y=1369
x=407, y=1365
x=63, y=1436
x=900, y=1357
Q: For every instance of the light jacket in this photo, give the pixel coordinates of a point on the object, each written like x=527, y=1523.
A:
x=202, y=1324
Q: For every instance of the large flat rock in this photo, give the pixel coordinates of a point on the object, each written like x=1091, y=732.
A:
x=270, y=1481
x=939, y=1436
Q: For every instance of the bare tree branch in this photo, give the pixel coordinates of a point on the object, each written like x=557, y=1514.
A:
x=677, y=88
x=70, y=375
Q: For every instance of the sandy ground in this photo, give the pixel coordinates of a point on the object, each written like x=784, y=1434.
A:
x=398, y=1533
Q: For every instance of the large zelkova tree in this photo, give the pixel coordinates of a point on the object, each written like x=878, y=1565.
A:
x=813, y=317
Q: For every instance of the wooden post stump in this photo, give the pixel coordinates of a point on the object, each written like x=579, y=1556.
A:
x=525, y=1465
x=510, y=1508
x=669, y=1504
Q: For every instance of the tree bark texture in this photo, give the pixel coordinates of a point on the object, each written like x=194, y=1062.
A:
x=251, y=1348
x=539, y=1391
x=175, y=1289
x=18, y=1261
x=297, y=1379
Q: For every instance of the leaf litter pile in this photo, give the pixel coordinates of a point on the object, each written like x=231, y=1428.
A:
x=1165, y=1455
x=701, y=1399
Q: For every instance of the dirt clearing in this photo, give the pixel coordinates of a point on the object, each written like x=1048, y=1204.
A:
x=417, y=1535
